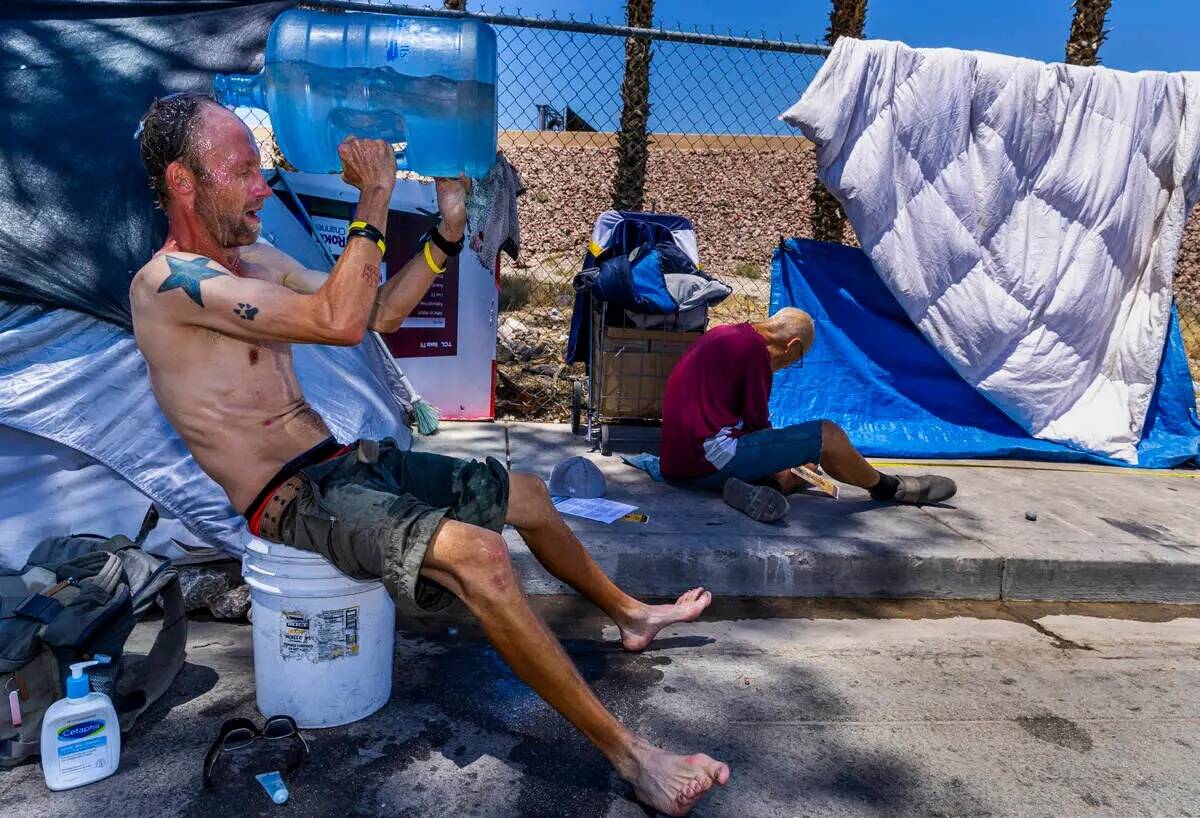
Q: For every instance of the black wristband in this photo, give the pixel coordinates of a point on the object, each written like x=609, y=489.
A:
x=367, y=231
x=450, y=248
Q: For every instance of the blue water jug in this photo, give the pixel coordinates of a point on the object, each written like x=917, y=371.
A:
x=426, y=82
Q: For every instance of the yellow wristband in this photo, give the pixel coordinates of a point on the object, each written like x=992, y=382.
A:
x=429, y=260
x=367, y=231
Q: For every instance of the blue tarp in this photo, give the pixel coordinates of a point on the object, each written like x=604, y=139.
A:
x=874, y=373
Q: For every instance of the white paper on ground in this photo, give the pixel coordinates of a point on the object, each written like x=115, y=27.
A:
x=599, y=509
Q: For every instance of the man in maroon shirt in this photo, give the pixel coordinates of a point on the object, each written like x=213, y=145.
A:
x=716, y=432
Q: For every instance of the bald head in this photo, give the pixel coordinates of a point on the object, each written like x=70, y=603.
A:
x=789, y=334
x=791, y=323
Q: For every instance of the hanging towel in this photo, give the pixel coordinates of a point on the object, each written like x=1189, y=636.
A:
x=492, y=213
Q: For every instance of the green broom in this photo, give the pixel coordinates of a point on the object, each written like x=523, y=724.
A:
x=425, y=413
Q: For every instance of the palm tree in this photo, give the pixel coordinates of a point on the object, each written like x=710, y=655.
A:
x=1087, y=32
x=630, y=183
x=846, y=19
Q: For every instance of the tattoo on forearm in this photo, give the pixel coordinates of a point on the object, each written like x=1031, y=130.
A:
x=186, y=275
x=246, y=311
x=371, y=273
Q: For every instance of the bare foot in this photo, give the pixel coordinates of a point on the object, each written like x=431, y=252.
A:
x=673, y=784
x=640, y=630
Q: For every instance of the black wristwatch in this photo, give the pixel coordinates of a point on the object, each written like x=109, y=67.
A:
x=450, y=248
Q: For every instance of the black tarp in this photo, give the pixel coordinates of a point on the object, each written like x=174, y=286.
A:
x=77, y=217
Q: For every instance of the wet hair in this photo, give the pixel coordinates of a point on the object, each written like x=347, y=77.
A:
x=166, y=134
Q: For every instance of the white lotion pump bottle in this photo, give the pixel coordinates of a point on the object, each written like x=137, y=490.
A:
x=81, y=737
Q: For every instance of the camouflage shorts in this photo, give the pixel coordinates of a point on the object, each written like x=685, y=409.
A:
x=378, y=519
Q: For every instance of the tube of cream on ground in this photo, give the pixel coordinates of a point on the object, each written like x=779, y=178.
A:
x=272, y=782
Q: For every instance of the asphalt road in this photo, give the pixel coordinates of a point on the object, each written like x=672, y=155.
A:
x=821, y=709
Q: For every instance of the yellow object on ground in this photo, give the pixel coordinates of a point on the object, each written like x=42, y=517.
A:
x=1024, y=465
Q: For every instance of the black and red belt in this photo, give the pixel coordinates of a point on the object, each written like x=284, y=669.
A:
x=264, y=516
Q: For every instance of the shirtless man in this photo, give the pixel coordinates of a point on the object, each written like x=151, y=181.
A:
x=215, y=315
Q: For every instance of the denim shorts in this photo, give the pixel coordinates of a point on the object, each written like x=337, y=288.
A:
x=767, y=452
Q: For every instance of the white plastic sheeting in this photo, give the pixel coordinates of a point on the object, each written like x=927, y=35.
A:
x=81, y=383
x=47, y=489
x=1027, y=216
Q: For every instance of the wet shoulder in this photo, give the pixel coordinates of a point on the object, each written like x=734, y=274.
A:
x=263, y=252
x=179, y=263
x=175, y=270
x=263, y=261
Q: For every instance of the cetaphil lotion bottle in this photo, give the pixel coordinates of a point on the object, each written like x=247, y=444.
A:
x=81, y=738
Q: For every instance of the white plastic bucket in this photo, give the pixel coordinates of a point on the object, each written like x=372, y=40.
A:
x=323, y=642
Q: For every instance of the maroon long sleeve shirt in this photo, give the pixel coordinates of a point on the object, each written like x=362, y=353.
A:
x=717, y=392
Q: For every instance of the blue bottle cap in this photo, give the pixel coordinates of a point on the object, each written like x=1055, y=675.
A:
x=78, y=684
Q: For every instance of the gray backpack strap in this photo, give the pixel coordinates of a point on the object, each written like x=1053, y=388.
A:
x=13, y=751
x=150, y=677
x=109, y=575
x=144, y=680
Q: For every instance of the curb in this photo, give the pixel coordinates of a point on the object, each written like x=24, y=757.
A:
x=646, y=566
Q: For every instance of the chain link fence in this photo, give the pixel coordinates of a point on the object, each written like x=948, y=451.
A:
x=717, y=154
x=1187, y=295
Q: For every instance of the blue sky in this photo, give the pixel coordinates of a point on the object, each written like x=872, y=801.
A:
x=711, y=90
x=1146, y=34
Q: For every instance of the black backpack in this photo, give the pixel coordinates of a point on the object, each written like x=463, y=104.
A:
x=79, y=596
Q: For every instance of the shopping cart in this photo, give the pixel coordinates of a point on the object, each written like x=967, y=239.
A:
x=641, y=299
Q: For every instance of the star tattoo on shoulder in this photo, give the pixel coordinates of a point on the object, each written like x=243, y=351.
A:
x=186, y=275
x=246, y=311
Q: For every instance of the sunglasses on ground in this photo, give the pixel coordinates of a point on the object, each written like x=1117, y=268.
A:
x=241, y=734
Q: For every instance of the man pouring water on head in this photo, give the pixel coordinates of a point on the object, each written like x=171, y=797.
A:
x=215, y=314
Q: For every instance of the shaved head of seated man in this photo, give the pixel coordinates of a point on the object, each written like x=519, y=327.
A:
x=716, y=434
x=216, y=315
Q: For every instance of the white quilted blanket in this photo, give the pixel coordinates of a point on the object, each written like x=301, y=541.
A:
x=1027, y=217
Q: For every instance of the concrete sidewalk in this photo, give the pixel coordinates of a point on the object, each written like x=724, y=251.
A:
x=1100, y=534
